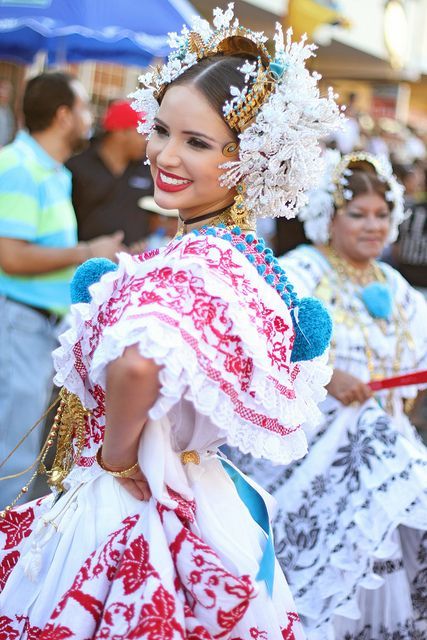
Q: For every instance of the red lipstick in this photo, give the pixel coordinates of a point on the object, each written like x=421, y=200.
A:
x=170, y=182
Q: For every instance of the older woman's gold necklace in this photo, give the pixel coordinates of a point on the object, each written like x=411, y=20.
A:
x=362, y=277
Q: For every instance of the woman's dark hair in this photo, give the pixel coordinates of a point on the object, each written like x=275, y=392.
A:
x=364, y=179
x=43, y=96
x=214, y=76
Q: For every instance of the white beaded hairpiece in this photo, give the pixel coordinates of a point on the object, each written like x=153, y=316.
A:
x=333, y=192
x=279, y=115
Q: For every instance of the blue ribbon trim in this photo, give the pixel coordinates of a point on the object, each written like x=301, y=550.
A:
x=258, y=510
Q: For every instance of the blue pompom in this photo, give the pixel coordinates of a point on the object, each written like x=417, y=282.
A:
x=227, y=236
x=261, y=269
x=86, y=274
x=313, y=329
x=240, y=246
x=210, y=231
x=236, y=231
x=269, y=278
x=378, y=300
x=269, y=259
x=250, y=238
x=251, y=258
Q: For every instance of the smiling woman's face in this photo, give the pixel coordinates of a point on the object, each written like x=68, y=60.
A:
x=185, y=151
x=360, y=230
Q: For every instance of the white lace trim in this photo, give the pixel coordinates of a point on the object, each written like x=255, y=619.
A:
x=372, y=538
x=183, y=374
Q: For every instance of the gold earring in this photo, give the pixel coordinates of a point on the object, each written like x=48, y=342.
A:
x=230, y=149
x=238, y=214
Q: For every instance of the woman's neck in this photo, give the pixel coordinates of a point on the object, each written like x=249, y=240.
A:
x=358, y=265
x=228, y=215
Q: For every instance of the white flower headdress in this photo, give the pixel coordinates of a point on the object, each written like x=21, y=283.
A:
x=333, y=192
x=279, y=115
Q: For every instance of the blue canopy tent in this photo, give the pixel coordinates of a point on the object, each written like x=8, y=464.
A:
x=120, y=31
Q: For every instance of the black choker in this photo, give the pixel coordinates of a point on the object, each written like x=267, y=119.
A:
x=205, y=216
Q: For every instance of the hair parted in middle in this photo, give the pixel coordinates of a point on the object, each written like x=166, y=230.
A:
x=213, y=77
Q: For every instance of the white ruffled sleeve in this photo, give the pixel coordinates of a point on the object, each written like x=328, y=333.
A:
x=222, y=335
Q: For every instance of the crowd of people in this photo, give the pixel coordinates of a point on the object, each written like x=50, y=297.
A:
x=235, y=446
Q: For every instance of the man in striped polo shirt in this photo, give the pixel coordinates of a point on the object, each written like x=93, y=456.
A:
x=38, y=254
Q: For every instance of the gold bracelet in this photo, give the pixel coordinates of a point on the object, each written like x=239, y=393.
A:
x=124, y=473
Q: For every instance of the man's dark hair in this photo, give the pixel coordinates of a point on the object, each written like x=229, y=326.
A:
x=43, y=96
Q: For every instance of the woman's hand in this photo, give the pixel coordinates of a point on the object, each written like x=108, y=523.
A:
x=347, y=389
x=137, y=485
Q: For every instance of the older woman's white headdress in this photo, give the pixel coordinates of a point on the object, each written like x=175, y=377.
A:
x=333, y=193
x=279, y=115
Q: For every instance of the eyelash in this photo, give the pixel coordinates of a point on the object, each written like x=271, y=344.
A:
x=198, y=144
x=193, y=142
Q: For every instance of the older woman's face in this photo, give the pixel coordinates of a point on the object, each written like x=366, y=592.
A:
x=185, y=151
x=359, y=231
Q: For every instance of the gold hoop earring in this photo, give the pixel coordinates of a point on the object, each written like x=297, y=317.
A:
x=230, y=149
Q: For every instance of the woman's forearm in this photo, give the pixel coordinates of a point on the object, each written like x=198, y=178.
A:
x=132, y=389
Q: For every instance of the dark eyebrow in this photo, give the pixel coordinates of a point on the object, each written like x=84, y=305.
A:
x=191, y=133
x=199, y=135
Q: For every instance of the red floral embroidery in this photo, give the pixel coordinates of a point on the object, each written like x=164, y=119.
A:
x=135, y=567
x=185, y=509
x=32, y=632
x=16, y=525
x=199, y=633
x=147, y=255
x=204, y=312
x=56, y=632
x=149, y=297
x=116, y=616
x=78, y=361
x=280, y=325
x=288, y=633
x=207, y=580
x=104, y=562
x=7, y=632
x=157, y=621
x=8, y=562
x=163, y=275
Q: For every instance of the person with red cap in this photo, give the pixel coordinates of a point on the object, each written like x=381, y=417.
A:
x=109, y=178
